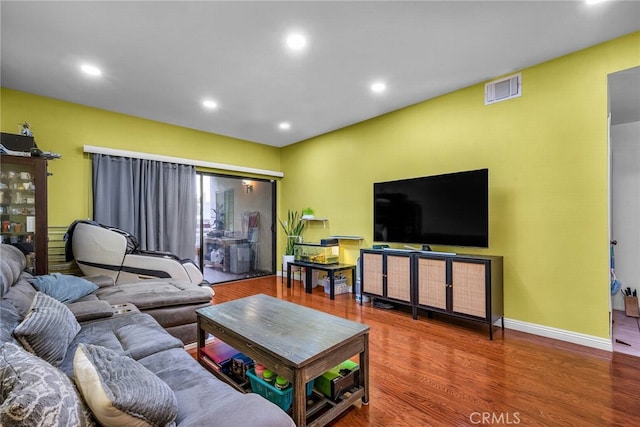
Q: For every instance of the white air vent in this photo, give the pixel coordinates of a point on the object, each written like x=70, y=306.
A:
x=503, y=89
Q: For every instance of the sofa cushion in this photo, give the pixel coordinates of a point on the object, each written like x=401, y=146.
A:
x=90, y=297
x=9, y=319
x=154, y=293
x=120, y=391
x=90, y=310
x=6, y=276
x=100, y=280
x=136, y=335
x=12, y=262
x=34, y=393
x=48, y=329
x=204, y=400
x=21, y=294
x=63, y=287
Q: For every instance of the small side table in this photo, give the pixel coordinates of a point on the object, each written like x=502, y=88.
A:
x=330, y=269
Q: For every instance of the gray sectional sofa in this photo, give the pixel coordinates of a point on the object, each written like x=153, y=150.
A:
x=172, y=303
x=76, y=366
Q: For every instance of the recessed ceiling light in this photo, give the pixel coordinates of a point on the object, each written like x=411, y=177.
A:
x=595, y=1
x=91, y=70
x=296, y=41
x=210, y=104
x=378, y=87
x=285, y=125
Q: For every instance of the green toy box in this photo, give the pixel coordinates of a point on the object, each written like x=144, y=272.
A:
x=339, y=379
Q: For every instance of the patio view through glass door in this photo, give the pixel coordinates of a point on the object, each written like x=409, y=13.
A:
x=235, y=227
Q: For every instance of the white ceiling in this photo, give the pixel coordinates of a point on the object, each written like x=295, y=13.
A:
x=161, y=59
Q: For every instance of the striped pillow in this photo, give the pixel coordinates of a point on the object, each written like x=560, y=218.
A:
x=47, y=329
x=120, y=391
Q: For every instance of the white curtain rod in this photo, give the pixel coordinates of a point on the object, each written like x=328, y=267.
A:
x=169, y=159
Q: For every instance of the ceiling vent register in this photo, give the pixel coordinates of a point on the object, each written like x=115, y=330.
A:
x=503, y=89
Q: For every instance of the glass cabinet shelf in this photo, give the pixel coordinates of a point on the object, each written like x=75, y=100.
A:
x=23, y=208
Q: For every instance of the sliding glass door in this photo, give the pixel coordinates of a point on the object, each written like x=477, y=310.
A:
x=235, y=237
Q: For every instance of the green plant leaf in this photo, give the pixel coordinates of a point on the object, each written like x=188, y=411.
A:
x=293, y=228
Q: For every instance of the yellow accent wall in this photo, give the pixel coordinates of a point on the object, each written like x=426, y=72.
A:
x=64, y=128
x=547, y=156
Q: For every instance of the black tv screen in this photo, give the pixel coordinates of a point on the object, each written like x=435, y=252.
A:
x=450, y=209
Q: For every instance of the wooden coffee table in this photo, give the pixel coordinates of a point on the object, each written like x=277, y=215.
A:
x=297, y=342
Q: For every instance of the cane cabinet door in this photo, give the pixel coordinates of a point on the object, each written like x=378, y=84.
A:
x=469, y=287
x=432, y=282
x=399, y=277
x=372, y=273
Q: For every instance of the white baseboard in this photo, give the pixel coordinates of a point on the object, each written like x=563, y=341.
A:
x=559, y=334
x=295, y=275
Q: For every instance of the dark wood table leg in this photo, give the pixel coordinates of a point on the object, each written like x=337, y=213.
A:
x=201, y=339
x=307, y=279
x=353, y=283
x=364, y=370
x=288, y=275
x=332, y=284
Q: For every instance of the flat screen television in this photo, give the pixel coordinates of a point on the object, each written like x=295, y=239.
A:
x=450, y=209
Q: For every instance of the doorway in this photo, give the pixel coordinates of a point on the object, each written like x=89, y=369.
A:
x=624, y=142
x=235, y=236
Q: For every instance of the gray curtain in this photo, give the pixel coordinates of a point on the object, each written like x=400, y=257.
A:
x=154, y=201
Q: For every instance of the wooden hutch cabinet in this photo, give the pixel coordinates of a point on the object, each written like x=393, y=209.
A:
x=23, y=207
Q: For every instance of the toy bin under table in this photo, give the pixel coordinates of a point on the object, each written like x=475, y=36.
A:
x=282, y=398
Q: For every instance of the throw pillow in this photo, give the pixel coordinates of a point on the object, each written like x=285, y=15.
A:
x=48, y=329
x=63, y=287
x=21, y=294
x=34, y=393
x=120, y=391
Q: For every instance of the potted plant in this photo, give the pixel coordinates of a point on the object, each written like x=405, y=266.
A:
x=307, y=213
x=293, y=228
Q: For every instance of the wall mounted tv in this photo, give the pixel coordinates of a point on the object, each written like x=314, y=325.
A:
x=450, y=209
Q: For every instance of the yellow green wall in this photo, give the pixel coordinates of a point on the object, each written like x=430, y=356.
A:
x=65, y=128
x=547, y=157
x=546, y=151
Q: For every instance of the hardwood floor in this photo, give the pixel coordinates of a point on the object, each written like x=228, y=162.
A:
x=435, y=372
x=626, y=333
